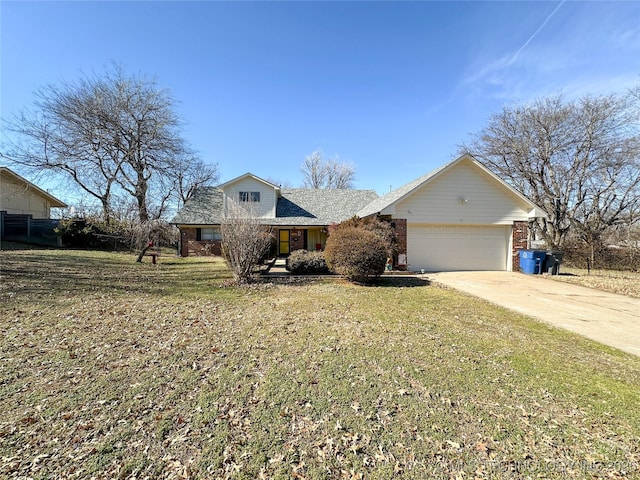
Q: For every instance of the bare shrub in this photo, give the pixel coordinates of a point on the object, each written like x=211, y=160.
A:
x=245, y=241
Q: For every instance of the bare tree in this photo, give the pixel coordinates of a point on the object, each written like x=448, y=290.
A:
x=279, y=182
x=320, y=173
x=245, y=241
x=110, y=135
x=69, y=134
x=190, y=174
x=579, y=160
x=181, y=179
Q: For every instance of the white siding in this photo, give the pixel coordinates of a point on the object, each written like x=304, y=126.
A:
x=455, y=248
x=463, y=195
x=267, y=206
x=17, y=198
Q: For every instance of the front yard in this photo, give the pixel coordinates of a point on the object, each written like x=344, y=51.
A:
x=623, y=283
x=113, y=369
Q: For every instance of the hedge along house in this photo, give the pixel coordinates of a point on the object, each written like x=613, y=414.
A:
x=300, y=218
x=461, y=216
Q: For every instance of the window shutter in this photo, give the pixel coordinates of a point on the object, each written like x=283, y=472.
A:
x=198, y=234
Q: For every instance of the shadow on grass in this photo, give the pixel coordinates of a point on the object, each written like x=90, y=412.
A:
x=401, y=281
x=396, y=281
x=11, y=246
x=61, y=274
x=294, y=279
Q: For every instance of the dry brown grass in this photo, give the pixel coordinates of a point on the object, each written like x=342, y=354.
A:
x=614, y=281
x=112, y=369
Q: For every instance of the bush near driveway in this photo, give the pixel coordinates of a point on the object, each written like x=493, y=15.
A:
x=359, y=248
x=356, y=253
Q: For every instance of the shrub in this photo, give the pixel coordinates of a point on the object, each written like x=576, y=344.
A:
x=613, y=257
x=302, y=262
x=381, y=228
x=356, y=253
x=94, y=232
x=76, y=232
x=245, y=242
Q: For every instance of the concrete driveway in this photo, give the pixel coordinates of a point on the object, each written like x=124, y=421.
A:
x=608, y=318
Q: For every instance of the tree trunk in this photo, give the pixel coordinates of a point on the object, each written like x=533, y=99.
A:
x=143, y=251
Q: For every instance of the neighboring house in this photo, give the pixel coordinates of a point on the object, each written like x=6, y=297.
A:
x=19, y=196
x=25, y=211
x=459, y=217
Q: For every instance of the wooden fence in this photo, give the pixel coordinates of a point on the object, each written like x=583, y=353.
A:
x=26, y=229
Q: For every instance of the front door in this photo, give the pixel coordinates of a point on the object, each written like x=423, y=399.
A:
x=284, y=242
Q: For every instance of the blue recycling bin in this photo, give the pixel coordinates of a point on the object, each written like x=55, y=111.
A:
x=532, y=261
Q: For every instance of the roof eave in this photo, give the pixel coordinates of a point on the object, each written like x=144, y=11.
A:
x=54, y=202
x=250, y=175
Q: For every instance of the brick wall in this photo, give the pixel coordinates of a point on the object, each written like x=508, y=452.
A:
x=192, y=247
x=520, y=239
x=401, y=235
x=296, y=240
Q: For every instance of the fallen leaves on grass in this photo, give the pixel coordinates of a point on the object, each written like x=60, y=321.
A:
x=106, y=378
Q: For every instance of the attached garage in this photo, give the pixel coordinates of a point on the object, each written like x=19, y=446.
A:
x=451, y=248
x=458, y=217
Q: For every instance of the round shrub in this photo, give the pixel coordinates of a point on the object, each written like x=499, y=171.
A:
x=302, y=262
x=356, y=253
x=381, y=228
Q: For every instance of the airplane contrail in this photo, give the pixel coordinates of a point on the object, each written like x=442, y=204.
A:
x=515, y=56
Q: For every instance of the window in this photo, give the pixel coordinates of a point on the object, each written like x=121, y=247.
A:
x=208, y=233
x=249, y=196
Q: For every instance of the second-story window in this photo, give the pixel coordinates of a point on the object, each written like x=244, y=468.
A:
x=249, y=196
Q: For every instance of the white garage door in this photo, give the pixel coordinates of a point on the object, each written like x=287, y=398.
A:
x=458, y=248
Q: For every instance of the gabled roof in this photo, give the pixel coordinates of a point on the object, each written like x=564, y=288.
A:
x=204, y=207
x=388, y=200
x=248, y=175
x=53, y=201
x=385, y=201
x=308, y=207
x=311, y=207
x=295, y=207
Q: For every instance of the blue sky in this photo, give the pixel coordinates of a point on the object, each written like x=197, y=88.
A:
x=391, y=87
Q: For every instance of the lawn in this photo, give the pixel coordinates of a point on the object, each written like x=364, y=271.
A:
x=614, y=281
x=114, y=369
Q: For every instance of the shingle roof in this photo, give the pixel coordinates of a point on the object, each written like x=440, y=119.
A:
x=307, y=207
x=390, y=198
x=203, y=208
x=298, y=206
x=381, y=203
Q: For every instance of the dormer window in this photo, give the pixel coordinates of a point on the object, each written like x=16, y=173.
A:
x=249, y=196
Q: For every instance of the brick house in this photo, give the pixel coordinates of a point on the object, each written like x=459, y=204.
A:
x=299, y=217
x=461, y=216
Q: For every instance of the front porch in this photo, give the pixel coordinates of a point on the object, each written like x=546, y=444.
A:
x=290, y=239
